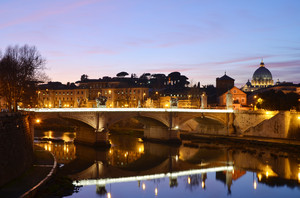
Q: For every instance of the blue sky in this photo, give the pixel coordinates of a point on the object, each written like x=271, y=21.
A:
x=199, y=38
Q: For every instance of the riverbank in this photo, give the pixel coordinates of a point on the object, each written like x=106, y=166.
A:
x=26, y=185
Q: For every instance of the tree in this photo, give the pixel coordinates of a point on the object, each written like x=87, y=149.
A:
x=84, y=77
x=122, y=74
x=20, y=71
x=277, y=100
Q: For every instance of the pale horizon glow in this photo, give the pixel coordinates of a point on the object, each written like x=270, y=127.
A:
x=201, y=39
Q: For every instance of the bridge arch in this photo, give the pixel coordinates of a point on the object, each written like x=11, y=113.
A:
x=200, y=122
x=78, y=119
x=143, y=119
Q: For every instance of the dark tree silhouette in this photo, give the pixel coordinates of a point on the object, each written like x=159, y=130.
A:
x=84, y=77
x=122, y=74
x=21, y=68
x=277, y=100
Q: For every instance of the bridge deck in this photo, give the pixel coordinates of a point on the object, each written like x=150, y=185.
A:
x=129, y=110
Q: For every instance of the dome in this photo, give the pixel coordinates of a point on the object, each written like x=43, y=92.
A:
x=262, y=73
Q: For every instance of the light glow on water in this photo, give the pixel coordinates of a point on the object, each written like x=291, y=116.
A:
x=88, y=182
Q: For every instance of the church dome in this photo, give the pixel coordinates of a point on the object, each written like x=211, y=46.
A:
x=262, y=73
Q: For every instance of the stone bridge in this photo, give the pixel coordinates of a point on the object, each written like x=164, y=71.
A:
x=162, y=124
x=165, y=124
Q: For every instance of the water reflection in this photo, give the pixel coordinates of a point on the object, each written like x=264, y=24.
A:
x=133, y=167
x=64, y=152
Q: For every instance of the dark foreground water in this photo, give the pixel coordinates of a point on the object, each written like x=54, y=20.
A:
x=132, y=168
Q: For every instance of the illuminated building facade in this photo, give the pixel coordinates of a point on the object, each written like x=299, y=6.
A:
x=239, y=98
x=224, y=85
x=120, y=92
x=58, y=95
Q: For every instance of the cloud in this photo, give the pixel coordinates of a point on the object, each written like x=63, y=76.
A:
x=56, y=53
x=169, y=70
x=100, y=51
x=285, y=64
x=139, y=42
x=243, y=59
x=53, y=10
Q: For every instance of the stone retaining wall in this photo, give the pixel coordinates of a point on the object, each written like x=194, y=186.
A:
x=16, y=145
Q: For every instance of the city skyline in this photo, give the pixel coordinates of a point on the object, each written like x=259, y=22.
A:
x=199, y=39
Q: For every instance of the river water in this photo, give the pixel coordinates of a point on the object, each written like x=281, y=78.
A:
x=133, y=168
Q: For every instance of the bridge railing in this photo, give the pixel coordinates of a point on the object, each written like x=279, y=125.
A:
x=128, y=110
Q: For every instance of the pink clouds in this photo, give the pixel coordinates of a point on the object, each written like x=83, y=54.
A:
x=53, y=10
x=100, y=51
x=285, y=64
x=168, y=70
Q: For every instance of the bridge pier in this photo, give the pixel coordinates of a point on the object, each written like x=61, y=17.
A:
x=230, y=124
x=161, y=134
x=93, y=138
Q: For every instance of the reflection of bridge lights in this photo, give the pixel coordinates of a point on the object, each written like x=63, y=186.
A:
x=50, y=134
x=150, y=177
x=110, y=151
x=156, y=191
x=254, y=185
x=141, y=149
x=267, y=174
x=202, y=184
x=143, y=186
x=176, y=158
x=259, y=176
x=108, y=195
x=189, y=180
x=46, y=147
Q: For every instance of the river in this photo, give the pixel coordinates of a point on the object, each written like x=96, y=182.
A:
x=133, y=168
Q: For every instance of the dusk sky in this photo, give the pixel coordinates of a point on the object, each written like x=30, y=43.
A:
x=199, y=38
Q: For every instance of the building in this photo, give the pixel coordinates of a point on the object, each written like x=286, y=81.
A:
x=3, y=105
x=261, y=78
x=119, y=92
x=238, y=96
x=224, y=85
x=58, y=95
